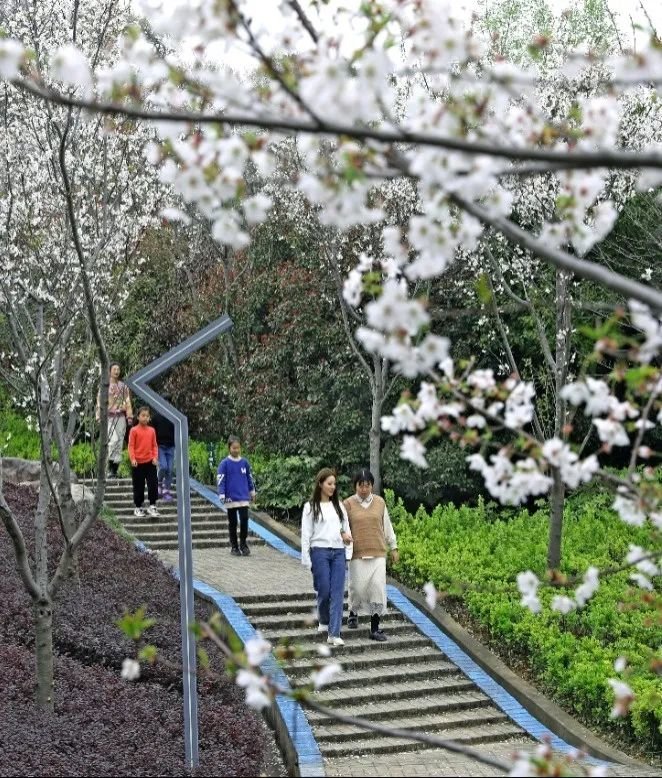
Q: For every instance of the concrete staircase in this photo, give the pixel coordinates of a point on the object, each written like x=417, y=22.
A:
x=209, y=526
x=405, y=682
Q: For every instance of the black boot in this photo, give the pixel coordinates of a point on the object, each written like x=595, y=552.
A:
x=375, y=632
x=112, y=468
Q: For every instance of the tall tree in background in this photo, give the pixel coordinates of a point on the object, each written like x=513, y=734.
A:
x=75, y=198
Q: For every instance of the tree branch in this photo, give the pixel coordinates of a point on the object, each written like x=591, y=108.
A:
x=572, y=159
x=18, y=541
x=562, y=260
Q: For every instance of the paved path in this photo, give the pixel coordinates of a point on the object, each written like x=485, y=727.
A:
x=268, y=573
x=265, y=571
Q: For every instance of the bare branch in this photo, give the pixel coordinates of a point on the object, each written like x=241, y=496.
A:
x=18, y=541
x=305, y=21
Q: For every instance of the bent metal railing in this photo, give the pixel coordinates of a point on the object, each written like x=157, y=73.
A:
x=138, y=384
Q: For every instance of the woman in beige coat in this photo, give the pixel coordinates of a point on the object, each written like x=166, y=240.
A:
x=373, y=536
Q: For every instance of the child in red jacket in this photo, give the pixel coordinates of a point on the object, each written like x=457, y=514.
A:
x=144, y=456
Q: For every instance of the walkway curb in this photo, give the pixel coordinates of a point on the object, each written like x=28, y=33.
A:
x=293, y=732
x=534, y=702
x=286, y=717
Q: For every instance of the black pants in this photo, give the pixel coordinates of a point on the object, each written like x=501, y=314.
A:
x=242, y=514
x=139, y=474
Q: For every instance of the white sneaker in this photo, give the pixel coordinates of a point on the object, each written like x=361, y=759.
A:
x=335, y=641
x=152, y=511
x=323, y=628
x=139, y=513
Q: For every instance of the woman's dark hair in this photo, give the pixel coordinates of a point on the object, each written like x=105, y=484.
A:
x=363, y=476
x=233, y=439
x=316, y=497
x=114, y=364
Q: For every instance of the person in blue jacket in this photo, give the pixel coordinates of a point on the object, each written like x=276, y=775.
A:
x=236, y=489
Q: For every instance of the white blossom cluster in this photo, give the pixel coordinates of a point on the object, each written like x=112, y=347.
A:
x=113, y=197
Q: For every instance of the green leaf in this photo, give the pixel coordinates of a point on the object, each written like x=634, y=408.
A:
x=203, y=658
x=133, y=625
x=483, y=290
x=637, y=376
x=148, y=654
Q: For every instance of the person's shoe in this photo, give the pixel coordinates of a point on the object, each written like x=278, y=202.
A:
x=139, y=513
x=153, y=511
x=235, y=551
x=353, y=621
x=379, y=636
x=166, y=495
x=245, y=551
x=335, y=641
x=322, y=627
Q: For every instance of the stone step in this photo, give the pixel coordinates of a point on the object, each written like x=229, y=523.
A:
x=336, y=732
x=157, y=526
x=360, y=645
x=402, y=708
x=295, y=633
x=482, y=734
x=212, y=534
x=276, y=607
x=126, y=502
x=375, y=659
x=288, y=620
x=117, y=483
x=170, y=515
x=399, y=689
x=433, y=671
x=306, y=600
x=161, y=545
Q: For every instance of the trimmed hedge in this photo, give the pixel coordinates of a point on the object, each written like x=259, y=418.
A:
x=103, y=725
x=571, y=656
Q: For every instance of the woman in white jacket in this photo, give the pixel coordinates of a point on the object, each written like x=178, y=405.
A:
x=324, y=535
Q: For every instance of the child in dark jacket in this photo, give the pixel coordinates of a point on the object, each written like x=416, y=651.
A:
x=236, y=489
x=165, y=439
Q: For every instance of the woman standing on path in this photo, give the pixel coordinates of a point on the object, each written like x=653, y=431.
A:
x=373, y=534
x=324, y=535
x=120, y=414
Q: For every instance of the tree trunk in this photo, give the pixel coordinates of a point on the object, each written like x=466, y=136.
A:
x=43, y=617
x=557, y=495
x=375, y=436
x=556, y=505
x=375, y=446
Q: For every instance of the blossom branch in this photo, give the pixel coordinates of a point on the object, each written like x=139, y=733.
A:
x=562, y=260
x=572, y=159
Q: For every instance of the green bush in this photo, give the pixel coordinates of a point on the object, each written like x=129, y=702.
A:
x=447, y=476
x=572, y=656
x=285, y=483
x=16, y=437
x=203, y=460
x=83, y=460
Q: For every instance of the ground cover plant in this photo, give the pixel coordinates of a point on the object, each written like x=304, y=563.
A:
x=571, y=656
x=102, y=724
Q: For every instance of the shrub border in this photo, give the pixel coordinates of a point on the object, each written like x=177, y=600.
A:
x=537, y=708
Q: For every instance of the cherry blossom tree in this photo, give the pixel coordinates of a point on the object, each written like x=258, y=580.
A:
x=74, y=200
